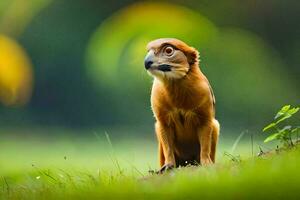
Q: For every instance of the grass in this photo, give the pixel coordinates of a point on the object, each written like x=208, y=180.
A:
x=91, y=167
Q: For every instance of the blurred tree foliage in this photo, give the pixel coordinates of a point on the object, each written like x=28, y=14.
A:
x=87, y=57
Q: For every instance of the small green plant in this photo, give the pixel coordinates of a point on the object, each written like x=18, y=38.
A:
x=281, y=131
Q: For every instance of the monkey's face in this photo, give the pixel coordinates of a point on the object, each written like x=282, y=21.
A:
x=169, y=58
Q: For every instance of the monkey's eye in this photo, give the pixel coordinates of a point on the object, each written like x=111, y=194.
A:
x=169, y=51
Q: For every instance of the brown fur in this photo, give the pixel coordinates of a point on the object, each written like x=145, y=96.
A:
x=186, y=128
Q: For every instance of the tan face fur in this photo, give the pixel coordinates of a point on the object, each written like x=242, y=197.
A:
x=169, y=58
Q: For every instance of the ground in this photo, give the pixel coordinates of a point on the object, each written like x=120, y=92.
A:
x=109, y=167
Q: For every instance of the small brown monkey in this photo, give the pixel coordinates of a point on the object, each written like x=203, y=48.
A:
x=183, y=104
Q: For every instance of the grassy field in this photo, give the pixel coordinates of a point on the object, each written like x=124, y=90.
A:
x=70, y=167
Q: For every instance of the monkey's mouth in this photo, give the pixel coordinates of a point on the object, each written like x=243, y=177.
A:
x=164, y=68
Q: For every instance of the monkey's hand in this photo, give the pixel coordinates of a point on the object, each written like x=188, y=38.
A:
x=205, y=161
x=166, y=167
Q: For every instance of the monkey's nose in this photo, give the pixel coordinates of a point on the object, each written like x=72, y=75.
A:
x=148, y=63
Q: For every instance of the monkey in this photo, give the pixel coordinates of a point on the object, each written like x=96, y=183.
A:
x=183, y=104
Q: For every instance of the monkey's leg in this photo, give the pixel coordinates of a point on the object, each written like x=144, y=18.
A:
x=161, y=154
x=205, y=139
x=166, y=139
x=214, y=140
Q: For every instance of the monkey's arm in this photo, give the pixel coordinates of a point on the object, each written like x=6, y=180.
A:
x=214, y=139
x=166, y=140
x=205, y=139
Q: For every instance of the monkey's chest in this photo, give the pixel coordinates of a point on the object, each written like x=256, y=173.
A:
x=183, y=120
x=185, y=125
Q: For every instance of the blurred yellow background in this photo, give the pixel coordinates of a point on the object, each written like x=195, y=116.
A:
x=16, y=73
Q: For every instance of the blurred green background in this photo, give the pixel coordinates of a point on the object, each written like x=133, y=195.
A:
x=75, y=97
x=78, y=64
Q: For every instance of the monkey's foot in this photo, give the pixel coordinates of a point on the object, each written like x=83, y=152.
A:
x=165, y=168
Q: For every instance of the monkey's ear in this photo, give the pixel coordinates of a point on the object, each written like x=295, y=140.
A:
x=192, y=56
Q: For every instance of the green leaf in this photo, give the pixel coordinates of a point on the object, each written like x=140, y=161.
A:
x=282, y=111
x=286, y=112
x=293, y=110
x=284, y=133
x=269, y=126
x=272, y=137
x=283, y=118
